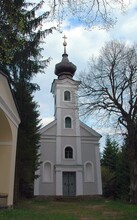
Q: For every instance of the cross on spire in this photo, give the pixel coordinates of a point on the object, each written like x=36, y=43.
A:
x=64, y=43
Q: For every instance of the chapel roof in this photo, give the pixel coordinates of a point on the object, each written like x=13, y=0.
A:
x=5, y=74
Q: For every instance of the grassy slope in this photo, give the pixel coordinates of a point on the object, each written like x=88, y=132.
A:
x=89, y=209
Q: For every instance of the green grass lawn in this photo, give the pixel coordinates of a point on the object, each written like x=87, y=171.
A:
x=86, y=209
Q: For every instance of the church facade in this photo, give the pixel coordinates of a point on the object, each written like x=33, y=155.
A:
x=69, y=148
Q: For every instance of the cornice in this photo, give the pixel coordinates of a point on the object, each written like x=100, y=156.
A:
x=9, y=113
x=5, y=143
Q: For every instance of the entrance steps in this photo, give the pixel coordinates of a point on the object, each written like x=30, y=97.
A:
x=3, y=200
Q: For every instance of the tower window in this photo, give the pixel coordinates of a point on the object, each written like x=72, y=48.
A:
x=67, y=122
x=68, y=153
x=67, y=96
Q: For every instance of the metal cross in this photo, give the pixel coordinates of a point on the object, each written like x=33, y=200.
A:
x=64, y=43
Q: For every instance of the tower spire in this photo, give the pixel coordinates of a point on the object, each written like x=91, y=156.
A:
x=64, y=43
x=65, y=69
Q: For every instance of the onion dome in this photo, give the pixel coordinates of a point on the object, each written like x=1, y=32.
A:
x=65, y=69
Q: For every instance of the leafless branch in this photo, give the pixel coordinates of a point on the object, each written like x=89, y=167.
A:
x=87, y=12
x=111, y=83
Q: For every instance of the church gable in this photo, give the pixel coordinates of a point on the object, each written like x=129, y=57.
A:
x=49, y=129
x=86, y=131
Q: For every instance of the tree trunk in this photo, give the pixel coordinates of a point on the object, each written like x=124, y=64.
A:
x=16, y=187
x=133, y=181
x=132, y=153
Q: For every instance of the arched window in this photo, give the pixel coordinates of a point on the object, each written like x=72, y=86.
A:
x=68, y=122
x=68, y=153
x=67, y=96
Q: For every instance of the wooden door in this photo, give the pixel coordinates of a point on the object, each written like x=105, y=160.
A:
x=69, y=183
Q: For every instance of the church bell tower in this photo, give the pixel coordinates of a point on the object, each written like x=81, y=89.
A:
x=64, y=90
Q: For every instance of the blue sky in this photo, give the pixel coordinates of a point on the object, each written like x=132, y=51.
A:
x=81, y=45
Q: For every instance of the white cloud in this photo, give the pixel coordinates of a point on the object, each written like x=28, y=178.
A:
x=46, y=121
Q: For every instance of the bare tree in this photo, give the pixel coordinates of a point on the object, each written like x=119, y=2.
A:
x=110, y=87
x=88, y=12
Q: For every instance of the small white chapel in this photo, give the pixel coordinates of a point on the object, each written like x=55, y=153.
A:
x=69, y=149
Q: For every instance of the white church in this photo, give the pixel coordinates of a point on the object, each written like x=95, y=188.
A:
x=69, y=149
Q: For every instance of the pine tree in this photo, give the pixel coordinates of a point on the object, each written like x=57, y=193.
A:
x=27, y=161
x=109, y=158
x=20, y=39
x=122, y=174
x=115, y=170
x=20, y=44
x=109, y=163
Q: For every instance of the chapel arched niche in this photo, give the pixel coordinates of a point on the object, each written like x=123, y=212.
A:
x=47, y=171
x=89, y=171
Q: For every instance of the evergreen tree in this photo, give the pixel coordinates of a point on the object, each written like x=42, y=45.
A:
x=115, y=170
x=109, y=158
x=109, y=163
x=122, y=174
x=20, y=45
x=27, y=160
x=20, y=39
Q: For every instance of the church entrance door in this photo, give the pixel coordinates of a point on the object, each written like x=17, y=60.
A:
x=69, y=183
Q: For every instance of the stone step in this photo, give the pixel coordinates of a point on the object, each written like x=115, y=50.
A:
x=3, y=200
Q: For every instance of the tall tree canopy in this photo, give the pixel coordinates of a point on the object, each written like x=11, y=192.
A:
x=20, y=53
x=27, y=159
x=109, y=158
x=20, y=38
x=115, y=170
x=108, y=167
x=110, y=87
